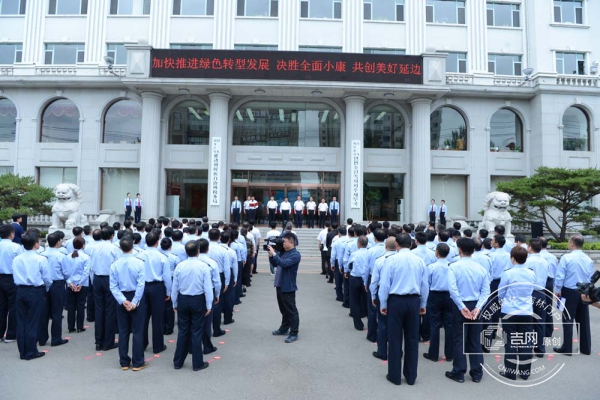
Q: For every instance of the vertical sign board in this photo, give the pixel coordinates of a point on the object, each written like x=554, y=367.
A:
x=355, y=175
x=215, y=165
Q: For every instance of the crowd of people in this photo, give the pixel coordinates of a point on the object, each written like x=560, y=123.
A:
x=411, y=281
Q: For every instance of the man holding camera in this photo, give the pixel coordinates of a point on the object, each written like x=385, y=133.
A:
x=285, y=284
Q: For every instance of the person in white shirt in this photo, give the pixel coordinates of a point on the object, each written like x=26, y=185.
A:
x=311, y=207
x=298, y=210
x=246, y=207
x=256, y=233
x=272, y=207
x=323, y=208
x=285, y=209
x=273, y=233
x=236, y=209
x=322, y=242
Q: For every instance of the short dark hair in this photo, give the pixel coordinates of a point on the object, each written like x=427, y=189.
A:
x=29, y=239
x=362, y=242
x=501, y=240
x=87, y=230
x=97, y=234
x=6, y=230
x=273, y=224
x=52, y=239
x=379, y=235
x=168, y=232
x=204, y=245
x=151, y=240
x=487, y=243
x=499, y=229
x=103, y=225
x=466, y=245
x=192, y=229
x=177, y=236
x=116, y=226
x=430, y=235
x=126, y=244
x=444, y=236
x=77, y=231
x=191, y=248
x=519, y=254
x=15, y=217
x=477, y=242
x=577, y=241
x=351, y=231
x=483, y=233
x=456, y=234
x=225, y=237
x=137, y=238
x=468, y=233
x=456, y=225
x=349, y=221
x=404, y=240
x=443, y=250
x=520, y=238
x=214, y=234
x=107, y=233
x=536, y=245
x=543, y=241
x=421, y=237
x=165, y=244
x=342, y=230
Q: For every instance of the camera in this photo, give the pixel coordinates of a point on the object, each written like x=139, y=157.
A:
x=588, y=288
x=276, y=243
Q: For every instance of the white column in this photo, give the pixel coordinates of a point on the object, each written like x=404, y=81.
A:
x=477, y=36
x=355, y=112
x=420, y=160
x=219, y=129
x=95, y=35
x=289, y=21
x=160, y=24
x=33, y=37
x=416, y=26
x=225, y=11
x=352, y=11
x=150, y=168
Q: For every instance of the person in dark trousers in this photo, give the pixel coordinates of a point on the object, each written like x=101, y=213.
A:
x=127, y=283
x=19, y=231
x=138, y=205
x=8, y=289
x=333, y=232
x=78, y=266
x=286, y=265
x=193, y=301
x=91, y=302
x=128, y=204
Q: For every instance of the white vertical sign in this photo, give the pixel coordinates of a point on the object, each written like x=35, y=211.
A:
x=215, y=164
x=355, y=175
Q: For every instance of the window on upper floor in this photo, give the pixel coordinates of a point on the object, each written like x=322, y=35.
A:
x=501, y=64
x=61, y=53
x=456, y=62
x=11, y=53
x=570, y=63
x=383, y=128
x=118, y=52
x=506, y=131
x=68, y=7
x=446, y=11
x=568, y=11
x=193, y=7
x=384, y=10
x=503, y=14
x=192, y=46
x=374, y=50
x=12, y=7
x=130, y=7
x=257, y=8
x=320, y=49
x=321, y=9
x=8, y=120
x=268, y=47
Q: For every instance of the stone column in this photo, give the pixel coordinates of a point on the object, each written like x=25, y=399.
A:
x=352, y=12
x=415, y=27
x=355, y=113
x=477, y=36
x=95, y=35
x=33, y=37
x=420, y=160
x=218, y=203
x=150, y=168
x=160, y=24
x=289, y=21
x=225, y=12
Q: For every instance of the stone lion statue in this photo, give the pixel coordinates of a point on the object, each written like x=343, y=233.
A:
x=65, y=212
x=495, y=206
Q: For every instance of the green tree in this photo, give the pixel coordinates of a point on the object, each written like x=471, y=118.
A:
x=20, y=194
x=370, y=197
x=558, y=197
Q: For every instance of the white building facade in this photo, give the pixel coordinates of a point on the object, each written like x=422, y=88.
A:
x=507, y=86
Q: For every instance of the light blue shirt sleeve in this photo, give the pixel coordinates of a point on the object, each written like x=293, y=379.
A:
x=453, y=288
x=484, y=292
x=559, y=278
x=114, y=285
x=166, y=274
x=424, y=287
x=175, y=288
x=208, y=294
x=385, y=283
x=141, y=283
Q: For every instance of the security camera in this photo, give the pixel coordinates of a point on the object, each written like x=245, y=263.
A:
x=528, y=72
x=110, y=61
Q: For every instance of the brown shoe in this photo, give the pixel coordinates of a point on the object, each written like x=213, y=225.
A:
x=125, y=368
x=141, y=367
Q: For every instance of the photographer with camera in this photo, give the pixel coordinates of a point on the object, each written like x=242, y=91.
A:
x=590, y=294
x=287, y=263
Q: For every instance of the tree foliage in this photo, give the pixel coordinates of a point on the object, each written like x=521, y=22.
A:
x=20, y=194
x=556, y=196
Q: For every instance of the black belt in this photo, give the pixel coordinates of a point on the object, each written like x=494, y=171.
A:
x=496, y=280
x=6, y=275
x=191, y=295
x=405, y=295
x=101, y=276
x=31, y=287
x=153, y=282
x=59, y=281
x=440, y=291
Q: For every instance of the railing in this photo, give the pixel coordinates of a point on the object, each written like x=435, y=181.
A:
x=6, y=71
x=576, y=80
x=60, y=71
x=116, y=71
x=508, y=81
x=459, y=79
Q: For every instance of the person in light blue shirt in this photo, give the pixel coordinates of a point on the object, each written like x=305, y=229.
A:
x=431, y=237
x=348, y=248
x=376, y=251
x=334, y=209
x=517, y=285
x=8, y=289
x=552, y=267
x=574, y=267
x=89, y=249
x=127, y=283
x=216, y=285
x=55, y=298
x=77, y=231
x=469, y=286
x=191, y=235
x=480, y=257
x=239, y=244
x=403, y=292
x=193, y=301
x=31, y=274
x=440, y=305
x=428, y=257
x=229, y=297
x=173, y=260
x=500, y=262
x=221, y=256
x=336, y=260
x=357, y=265
x=78, y=266
x=444, y=237
x=177, y=247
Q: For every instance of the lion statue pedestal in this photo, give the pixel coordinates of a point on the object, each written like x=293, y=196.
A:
x=495, y=207
x=66, y=212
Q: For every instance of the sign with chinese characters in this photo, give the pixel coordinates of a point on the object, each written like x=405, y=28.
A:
x=355, y=188
x=286, y=65
x=215, y=164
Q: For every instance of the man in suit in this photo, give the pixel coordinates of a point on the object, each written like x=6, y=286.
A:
x=137, y=203
x=334, y=209
x=128, y=203
x=236, y=208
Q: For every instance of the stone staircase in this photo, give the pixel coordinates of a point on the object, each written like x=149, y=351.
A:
x=307, y=240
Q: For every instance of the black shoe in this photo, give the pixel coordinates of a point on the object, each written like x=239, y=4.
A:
x=98, y=347
x=561, y=351
x=329, y=281
x=248, y=285
x=280, y=333
x=163, y=349
x=218, y=334
x=485, y=349
x=455, y=378
x=538, y=353
x=371, y=340
x=169, y=332
x=112, y=346
x=476, y=380
x=80, y=330
x=42, y=344
x=291, y=339
x=340, y=300
x=388, y=378
x=90, y=320
x=243, y=295
x=72, y=330
x=204, y=366
x=502, y=374
x=60, y=343
x=254, y=272
x=449, y=359
x=229, y=323
x=345, y=305
x=243, y=291
x=237, y=303
x=37, y=355
x=208, y=351
x=376, y=355
x=323, y=273
x=427, y=356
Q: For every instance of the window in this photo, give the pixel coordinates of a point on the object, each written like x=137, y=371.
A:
x=286, y=124
x=193, y=7
x=192, y=46
x=384, y=51
x=12, y=7
x=64, y=53
x=118, y=52
x=123, y=123
x=570, y=63
x=320, y=49
x=448, y=130
x=576, y=130
x=129, y=7
x=446, y=11
x=384, y=129
x=568, y=11
x=68, y=7
x=257, y=8
x=384, y=10
x=50, y=177
x=268, y=47
x=506, y=131
x=8, y=121
x=501, y=14
x=382, y=194
x=190, y=187
x=6, y=170
x=11, y=53
x=60, y=122
x=189, y=123
x=457, y=63
x=321, y=9
x=500, y=64
x=116, y=183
